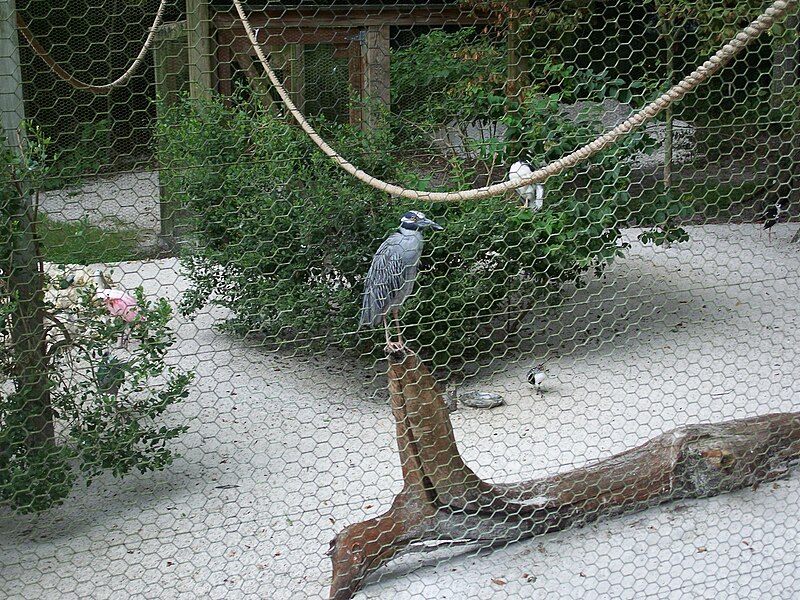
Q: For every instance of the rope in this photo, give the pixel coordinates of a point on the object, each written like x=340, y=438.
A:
x=74, y=81
x=702, y=73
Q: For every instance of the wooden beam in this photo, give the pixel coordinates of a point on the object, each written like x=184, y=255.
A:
x=276, y=37
x=200, y=46
x=376, y=71
x=12, y=105
x=352, y=16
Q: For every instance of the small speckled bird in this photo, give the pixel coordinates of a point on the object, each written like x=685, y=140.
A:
x=390, y=279
x=536, y=376
x=532, y=195
x=772, y=214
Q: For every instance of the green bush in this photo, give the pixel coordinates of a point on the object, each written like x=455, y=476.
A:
x=69, y=404
x=283, y=238
x=101, y=426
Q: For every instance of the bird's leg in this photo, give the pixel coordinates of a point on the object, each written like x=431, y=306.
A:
x=386, y=331
x=390, y=345
x=395, y=313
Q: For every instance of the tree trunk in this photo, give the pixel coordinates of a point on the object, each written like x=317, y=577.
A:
x=28, y=334
x=443, y=500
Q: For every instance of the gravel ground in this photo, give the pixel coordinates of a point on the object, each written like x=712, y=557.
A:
x=283, y=451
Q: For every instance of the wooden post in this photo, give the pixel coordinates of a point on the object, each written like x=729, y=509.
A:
x=169, y=59
x=355, y=73
x=517, y=67
x=12, y=105
x=296, y=75
x=376, y=71
x=200, y=46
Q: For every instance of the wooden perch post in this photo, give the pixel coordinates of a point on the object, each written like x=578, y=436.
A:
x=444, y=500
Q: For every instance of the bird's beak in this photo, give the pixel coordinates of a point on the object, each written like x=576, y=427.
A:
x=433, y=225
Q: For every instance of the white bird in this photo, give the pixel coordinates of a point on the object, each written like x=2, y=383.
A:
x=536, y=376
x=533, y=194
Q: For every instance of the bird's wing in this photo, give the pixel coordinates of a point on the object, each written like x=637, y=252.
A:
x=520, y=170
x=386, y=276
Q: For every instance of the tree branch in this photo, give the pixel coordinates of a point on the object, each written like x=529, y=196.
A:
x=444, y=500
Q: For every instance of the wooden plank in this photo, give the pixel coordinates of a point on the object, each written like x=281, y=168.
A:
x=12, y=105
x=376, y=70
x=200, y=45
x=239, y=41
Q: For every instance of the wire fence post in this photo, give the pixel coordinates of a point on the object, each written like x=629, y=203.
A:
x=12, y=104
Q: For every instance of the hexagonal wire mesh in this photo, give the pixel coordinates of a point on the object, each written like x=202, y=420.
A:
x=222, y=381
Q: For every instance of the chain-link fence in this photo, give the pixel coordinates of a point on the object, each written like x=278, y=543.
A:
x=232, y=368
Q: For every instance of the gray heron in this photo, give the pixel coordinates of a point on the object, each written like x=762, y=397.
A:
x=391, y=276
x=533, y=194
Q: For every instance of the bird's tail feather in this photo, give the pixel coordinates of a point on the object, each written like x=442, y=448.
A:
x=370, y=314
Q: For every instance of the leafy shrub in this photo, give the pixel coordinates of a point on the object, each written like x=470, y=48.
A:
x=283, y=238
x=443, y=77
x=68, y=405
x=102, y=425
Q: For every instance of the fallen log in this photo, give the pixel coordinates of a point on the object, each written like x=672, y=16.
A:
x=443, y=500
